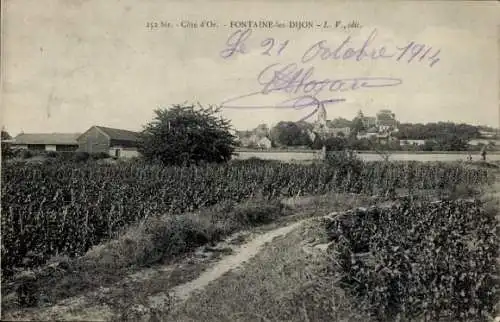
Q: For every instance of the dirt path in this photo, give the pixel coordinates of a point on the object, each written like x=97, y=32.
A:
x=231, y=262
x=86, y=308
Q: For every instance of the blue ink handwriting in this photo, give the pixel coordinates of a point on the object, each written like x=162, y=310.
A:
x=345, y=52
x=236, y=43
x=300, y=82
x=410, y=52
x=291, y=79
x=297, y=103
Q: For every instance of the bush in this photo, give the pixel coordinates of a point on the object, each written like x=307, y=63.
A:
x=165, y=237
x=67, y=156
x=420, y=260
x=52, y=154
x=336, y=144
x=343, y=159
x=349, y=166
x=254, y=161
x=81, y=156
x=257, y=214
x=6, y=147
x=26, y=154
x=100, y=156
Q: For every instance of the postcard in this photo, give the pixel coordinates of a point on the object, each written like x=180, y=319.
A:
x=168, y=160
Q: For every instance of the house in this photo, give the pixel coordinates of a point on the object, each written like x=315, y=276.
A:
x=384, y=120
x=340, y=131
x=477, y=142
x=262, y=130
x=115, y=142
x=264, y=143
x=488, y=134
x=367, y=135
x=383, y=128
x=370, y=134
x=245, y=141
x=65, y=142
x=369, y=121
x=256, y=141
x=412, y=142
x=374, y=135
x=386, y=117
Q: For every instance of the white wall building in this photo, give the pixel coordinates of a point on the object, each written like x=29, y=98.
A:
x=412, y=142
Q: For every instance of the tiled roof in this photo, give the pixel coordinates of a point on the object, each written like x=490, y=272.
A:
x=119, y=134
x=47, y=138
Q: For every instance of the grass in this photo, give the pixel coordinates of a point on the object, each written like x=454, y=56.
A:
x=282, y=283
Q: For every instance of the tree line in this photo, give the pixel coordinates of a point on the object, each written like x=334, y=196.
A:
x=189, y=134
x=440, y=136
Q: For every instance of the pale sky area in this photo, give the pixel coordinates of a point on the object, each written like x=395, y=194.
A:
x=68, y=65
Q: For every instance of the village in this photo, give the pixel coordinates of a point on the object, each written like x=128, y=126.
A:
x=382, y=130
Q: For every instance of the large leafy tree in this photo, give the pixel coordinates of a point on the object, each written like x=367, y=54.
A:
x=336, y=144
x=290, y=134
x=188, y=134
x=453, y=143
x=357, y=126
x=437, y=131
x=339, y=122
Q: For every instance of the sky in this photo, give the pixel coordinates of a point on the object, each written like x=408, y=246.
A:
x=68, y=65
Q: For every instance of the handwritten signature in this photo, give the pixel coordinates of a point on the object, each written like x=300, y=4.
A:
x=292, y=79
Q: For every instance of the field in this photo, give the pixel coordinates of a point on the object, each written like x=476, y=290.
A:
x=65, y=209
x=437, y=260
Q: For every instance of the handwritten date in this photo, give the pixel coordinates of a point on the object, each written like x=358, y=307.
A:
x=237, y=44
x=346, y=50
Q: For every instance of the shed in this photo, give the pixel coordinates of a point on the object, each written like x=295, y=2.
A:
x=115, y=142
x=64, y=142
x=264, y=143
